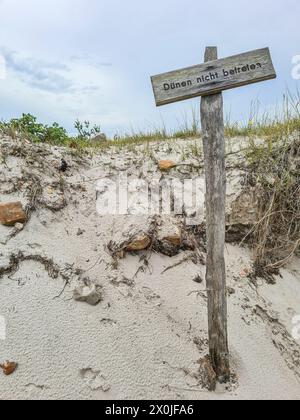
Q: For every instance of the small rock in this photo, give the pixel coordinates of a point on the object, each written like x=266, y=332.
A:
x=169, y=239
x=9, y=368
x=100, y=138
x=19, y=226
x=244, y=210
x=198, y=279
x=63, y=166
x=88, y=292
x=174, y=239
x=141, y=243
x=12, y=213
x=230, y=291
x=170, y=232
x=53, y=197
x=166, y=165
x=80, y=232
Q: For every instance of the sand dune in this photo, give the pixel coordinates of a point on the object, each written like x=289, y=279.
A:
x=145, y=337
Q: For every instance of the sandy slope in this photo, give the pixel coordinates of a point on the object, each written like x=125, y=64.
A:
x=143, y=341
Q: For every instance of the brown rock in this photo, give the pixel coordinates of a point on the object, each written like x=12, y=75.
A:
x=166, y=165
x=100, y=138
x=169, y=238
x=140, y=243
x=174, y=240
x=12, y=213
x=9, y=368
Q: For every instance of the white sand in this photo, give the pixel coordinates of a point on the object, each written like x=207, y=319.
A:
x=139, y=343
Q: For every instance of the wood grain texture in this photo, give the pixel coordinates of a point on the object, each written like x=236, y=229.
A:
x=213, y=77
x=214, y=152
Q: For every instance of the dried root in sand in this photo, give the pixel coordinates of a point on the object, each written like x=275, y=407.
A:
x=157, y=239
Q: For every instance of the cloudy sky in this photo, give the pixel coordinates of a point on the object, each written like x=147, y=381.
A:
x=92, y=59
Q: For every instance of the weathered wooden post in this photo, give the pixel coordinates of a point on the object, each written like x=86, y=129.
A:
x=209, y=80
x=212, y=122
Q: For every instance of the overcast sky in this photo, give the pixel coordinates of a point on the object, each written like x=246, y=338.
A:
x=92, y=59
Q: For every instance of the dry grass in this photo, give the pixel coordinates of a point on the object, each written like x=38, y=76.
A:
x=275, y=172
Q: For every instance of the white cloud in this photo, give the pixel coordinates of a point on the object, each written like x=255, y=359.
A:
x=43, y=75
x=75, y=88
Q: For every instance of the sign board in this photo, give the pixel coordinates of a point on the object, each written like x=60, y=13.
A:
x=213, y=77
x=209, y=80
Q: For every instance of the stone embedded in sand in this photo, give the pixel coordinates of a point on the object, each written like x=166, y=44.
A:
x=12, y=213
x=88, y=292
x=9, y=368
x=19, y=226
x=100, y=138
x=244, y=210
x=169, y=238
x=140, y=243
x=174, y=240
x=198, y=279
x=53, y=197
x=241, y=215
x=166, y=165
x=171, y=232
x=230, y=291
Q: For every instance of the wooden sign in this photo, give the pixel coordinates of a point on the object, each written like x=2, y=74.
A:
x=209, y=80
x=213, y=77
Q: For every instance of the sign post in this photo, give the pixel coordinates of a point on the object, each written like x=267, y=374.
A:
x=212, y=122
x=209, y=80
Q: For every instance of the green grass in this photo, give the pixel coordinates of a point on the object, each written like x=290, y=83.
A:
x=276, y=126
x=282, y=122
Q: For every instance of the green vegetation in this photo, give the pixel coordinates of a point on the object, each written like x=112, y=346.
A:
x=281, y=123
x=27, y=126
x=86, y=131
x=285, y=120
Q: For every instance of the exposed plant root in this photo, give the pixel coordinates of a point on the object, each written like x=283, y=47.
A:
x=275, y=237
x=53, y=270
